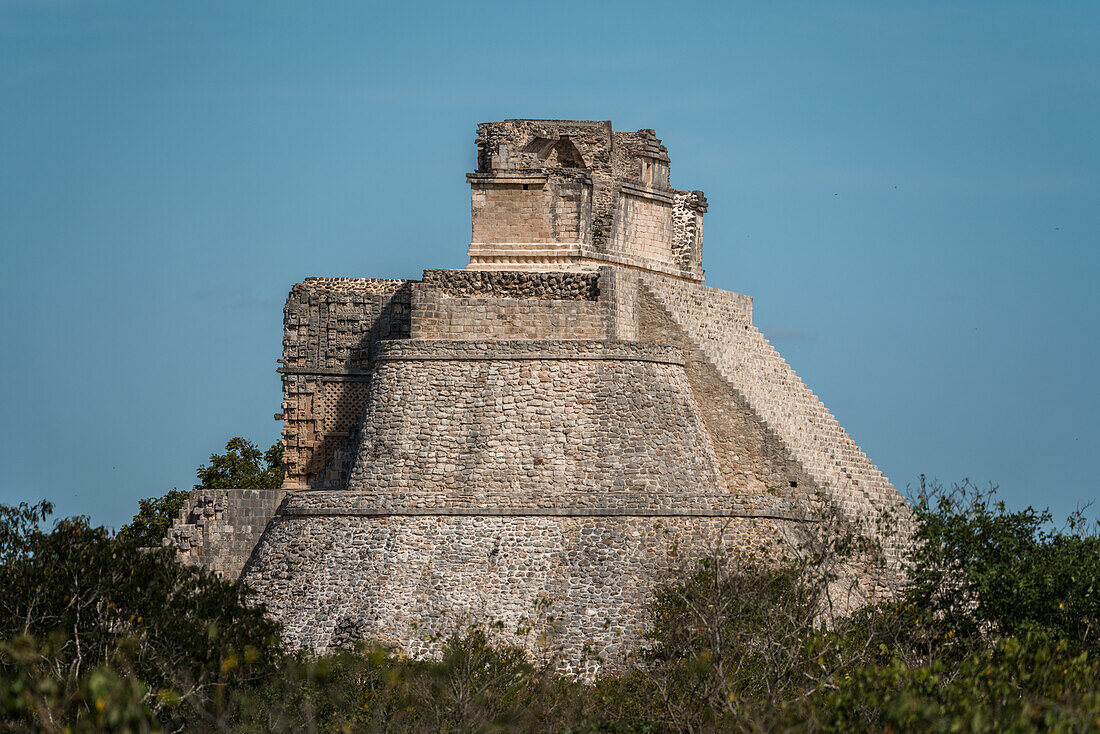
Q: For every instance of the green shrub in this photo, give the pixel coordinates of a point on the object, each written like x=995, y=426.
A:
x=996, y=632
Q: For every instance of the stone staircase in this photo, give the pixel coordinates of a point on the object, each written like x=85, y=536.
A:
x=743, y=357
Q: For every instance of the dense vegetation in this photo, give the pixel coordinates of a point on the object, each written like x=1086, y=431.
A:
x=997, y=631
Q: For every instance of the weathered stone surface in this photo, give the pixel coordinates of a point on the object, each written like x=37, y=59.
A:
x=408, y=580
x=554, y=430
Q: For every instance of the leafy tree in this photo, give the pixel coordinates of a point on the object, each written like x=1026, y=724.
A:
x=1016, y=684
x=40, y=692
x=996, y=631
x=155, y=516
x=981, y=571
x=243, y=465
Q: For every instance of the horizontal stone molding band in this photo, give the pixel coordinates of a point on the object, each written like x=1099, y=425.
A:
x=527, y=349
x=350, y=374
x=589, y=260
x=527, y=356
x=386, y=499
x=518, y=285
x=536, y=512
x=527, y=177
x=645, y=192
x=516, y=249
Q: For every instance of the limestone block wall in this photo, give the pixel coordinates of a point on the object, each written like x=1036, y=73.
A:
x=642, y=233
x=619, y=293
x=218, y=528
x=441, y=317
x=493, y=442
x=511, y=212
x=494, y=478
x=531, y=207
x=333, y=327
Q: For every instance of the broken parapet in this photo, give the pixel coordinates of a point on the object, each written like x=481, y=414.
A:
x=218, y=528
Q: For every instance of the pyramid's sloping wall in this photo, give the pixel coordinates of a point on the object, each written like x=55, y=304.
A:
x=485, y=467
x=752, y=458
x=718, y=323
x=497, y=481
x=533, y=420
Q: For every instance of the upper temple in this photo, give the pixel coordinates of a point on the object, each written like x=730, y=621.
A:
x=574, y=195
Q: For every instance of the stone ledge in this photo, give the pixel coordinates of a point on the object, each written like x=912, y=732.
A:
x=527, y=349
x=642, y=191
x=335, y=374
x=528, y=175
x=341, y=286
x=516, y=176
x=587, y=260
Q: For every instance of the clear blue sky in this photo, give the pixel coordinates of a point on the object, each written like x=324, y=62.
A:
x=910, y=192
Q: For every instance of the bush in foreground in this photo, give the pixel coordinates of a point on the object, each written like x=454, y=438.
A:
x=78, y=605
x=997, y=632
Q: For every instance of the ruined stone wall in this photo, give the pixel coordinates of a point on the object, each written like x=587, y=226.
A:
x=331, y=328
x=573, y=195
x=639, y=157
x=218, y=528
x=687, y=231
x=537, y=144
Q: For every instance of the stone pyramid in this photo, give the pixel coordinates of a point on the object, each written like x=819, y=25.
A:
x=538, y=440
